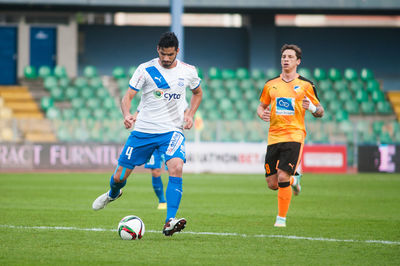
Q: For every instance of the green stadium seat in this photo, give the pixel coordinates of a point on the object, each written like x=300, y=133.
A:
x=209, y=105
x=95, y=82
x=319, y=74
x=361, y=96
x=80, y=82
x=84, y=113
x=57, y=94
x=81, y=134
x=305, y=72
x=118, y=72
x=377, y=96
x=77, y=103
x=259, y=85
x=350, y=74
x=102, y=93
x=340, y=86
x=356, y=85
x=329, y=96
x=225, y=105
x=250, y=95
x=246, y=84
x=385, y=138
x=46, y=103
x=230, y=84
x=71, y=93
x=368, y=138
x=377, y=127
x=90, y=71
x=367, y=108
x=352, y=107
x=68, y=114
x=219, y=94
x=334, y=74
x=272, y=73
x=334, y=106
x=341, y=115
x=396, y=137
x=115, y=113
x=235, y=95
x=372, y=85
x=30, y=72
x=50, y=82
x=131, y=71
x=109, y=103
x=99, y=114
x=257, y=74
x=93, y=103
x=214, y=73
x=64, y=82
x=241, y=105
x=229, y=115
x=242, y=73
x=200, y=72
x=87, y=92
x=123, y=84
x=255, y=136
x=228, y=73
x=216, y=84
x=246, y=115
x=53, y=113
x=60, y=72
x=325, y=85
x=366, y=74
x=44, y=72
x=345, y=95
x=214, y=115
x=384, y=108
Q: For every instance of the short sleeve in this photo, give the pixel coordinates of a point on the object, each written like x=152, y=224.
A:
x=311, y=93
x=265, y=97
x=194, y=80
x=137, y=80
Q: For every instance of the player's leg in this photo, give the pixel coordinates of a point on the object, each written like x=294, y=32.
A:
x=271, y=159
x=174, y=150
x=288, y=159
x=135, y=152
x=154, y=164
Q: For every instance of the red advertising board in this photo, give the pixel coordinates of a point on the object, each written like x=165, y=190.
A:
x=324, y=159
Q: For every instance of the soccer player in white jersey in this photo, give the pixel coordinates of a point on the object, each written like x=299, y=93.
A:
x=159, y=124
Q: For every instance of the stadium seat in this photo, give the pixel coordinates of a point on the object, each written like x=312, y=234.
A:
x=228, y=74
x=329, y=96
x=231, y=84
x=87, y=92
x=50, y=82
x=131, y=70
x=305, y=72
x=366, y=74
x=377, y=96
x=361, y=96
x=229, y=115
x=334, y=106
x=334, y=74
x=215, y=84
x=345, y=95
x=319, y=74
x=56, y=93
x=53, y=113
x=235, y=95
x=350, y=74
x=396, y=137
x=108, y=103
x=356, y=85
x=200, y=72
x=242, y=73
x=219, y=94
x=64, y=82
x=352, y=107
x=214, y=73
x=368, y=138
x=372, y=85
x=246, y=84
x=46, y=103
x=93, y=103
x=384, y=108
x=102, y=93
x=30, y=72
x=99, y=114
x=118, y=72
x=257, y=74
x=377, y=127
x=44, y=72
x=80, y=82
x=68, y=114
x=272, y=73
x=77, y=103
x=367, y=108
x=90, y=72
x=341, y=115
x=385, y=138
x=95, y=83
x=60, y=72
x=340, y=86
x=325, y=85
x=84, y=113
x=225, y=105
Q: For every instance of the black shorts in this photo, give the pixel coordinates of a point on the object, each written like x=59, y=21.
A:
x=283, y=155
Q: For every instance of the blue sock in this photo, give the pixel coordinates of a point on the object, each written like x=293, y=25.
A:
x=115, y=187
x=158, y=188
x=174, y=195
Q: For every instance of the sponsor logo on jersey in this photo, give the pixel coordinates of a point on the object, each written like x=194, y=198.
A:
x=284, y=106
x=158, y=94
x=181, y=82
x=296, y=88
x=161, y=94
x=174, y=144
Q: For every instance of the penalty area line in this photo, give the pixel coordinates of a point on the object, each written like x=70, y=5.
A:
x=323, y=239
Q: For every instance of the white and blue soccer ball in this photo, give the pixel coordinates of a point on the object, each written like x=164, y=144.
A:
x=131, y=227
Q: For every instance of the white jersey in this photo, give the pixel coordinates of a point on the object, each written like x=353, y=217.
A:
x=163, y=100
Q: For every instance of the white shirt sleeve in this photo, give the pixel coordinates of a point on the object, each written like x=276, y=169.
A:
x=138, y=79
x=194, y=80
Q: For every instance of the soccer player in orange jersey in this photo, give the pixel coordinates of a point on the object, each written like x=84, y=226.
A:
x=283, y=102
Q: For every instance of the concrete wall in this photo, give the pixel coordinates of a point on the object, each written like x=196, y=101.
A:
x=67, y=47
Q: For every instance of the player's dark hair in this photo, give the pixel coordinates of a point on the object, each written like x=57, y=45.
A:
x=168, y=39
x=292, y=47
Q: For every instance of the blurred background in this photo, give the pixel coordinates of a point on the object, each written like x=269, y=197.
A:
x=65, y=65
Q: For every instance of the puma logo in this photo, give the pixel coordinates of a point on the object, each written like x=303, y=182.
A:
x=291, y=165
x=158, y=78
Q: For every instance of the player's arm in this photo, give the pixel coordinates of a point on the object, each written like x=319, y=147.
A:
x=129, y=119
x=316, y=110
x=194, y=105
x=263, y=112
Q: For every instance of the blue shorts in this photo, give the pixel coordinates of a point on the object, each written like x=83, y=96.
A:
x=140, y=146
x=156, y=161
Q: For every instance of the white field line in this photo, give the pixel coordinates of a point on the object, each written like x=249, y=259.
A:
x=209, y=233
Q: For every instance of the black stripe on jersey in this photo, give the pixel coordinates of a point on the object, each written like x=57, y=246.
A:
x=266, y=83
x=312, y=85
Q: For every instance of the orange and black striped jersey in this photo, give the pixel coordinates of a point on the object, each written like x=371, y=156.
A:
x=287, y=113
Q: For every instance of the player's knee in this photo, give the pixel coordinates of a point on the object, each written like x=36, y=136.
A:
x=175, y=168
x=156, y=172
x=272, y=184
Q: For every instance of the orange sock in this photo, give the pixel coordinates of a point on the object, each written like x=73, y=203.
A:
x=284, y=197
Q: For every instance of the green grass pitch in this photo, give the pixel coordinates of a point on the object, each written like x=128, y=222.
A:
x=330, y=223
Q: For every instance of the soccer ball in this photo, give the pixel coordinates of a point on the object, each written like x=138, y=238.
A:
x=131, y=227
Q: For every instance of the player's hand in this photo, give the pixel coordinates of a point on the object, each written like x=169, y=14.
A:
x=129, y=120
x=188, y=122
x=266, y=115
x=306, y=103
